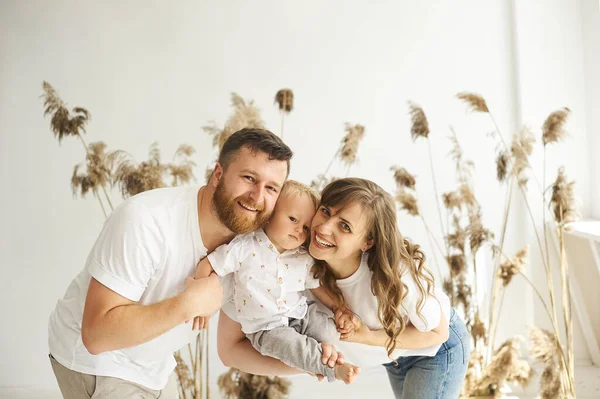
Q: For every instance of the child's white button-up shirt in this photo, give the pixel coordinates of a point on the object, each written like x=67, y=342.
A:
x=267, y=284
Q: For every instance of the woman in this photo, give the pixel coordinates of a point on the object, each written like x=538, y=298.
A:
x=362, y=259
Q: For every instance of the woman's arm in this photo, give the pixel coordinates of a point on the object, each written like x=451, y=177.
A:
x=323, y=295
x=235, y=351
x=410, y=338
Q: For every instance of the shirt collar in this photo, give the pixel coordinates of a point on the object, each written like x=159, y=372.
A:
x=263, y=241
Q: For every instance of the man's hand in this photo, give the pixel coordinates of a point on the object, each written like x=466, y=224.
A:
x=203, y=296
x=200, y=323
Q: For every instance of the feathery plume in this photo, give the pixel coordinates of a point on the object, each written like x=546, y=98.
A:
x=513, y=266
x=244, y=115
x=350, y=143
x=452, y=200
x=553, y=129
x=562, y=201
x=420, y=125
x=407, y=202
x=475, y=101
x=403, y=178
x=502, y=165
x=62, y=123
x=285, y=99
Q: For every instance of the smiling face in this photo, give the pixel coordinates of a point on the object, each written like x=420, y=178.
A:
x=246, y=192
x=339, y=235
x=290, y=225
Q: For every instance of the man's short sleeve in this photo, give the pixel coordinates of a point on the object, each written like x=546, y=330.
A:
x=128, y=251
x=310, y=282
x=226, y=258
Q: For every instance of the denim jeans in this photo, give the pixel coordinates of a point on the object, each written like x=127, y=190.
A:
x=440, y=376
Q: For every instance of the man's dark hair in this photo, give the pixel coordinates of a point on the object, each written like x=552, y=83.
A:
x=255, y=140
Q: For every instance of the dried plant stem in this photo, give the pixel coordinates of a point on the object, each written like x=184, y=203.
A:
x=475, y=293
x=431, y=239
x=566, y=302
x=332, y=159
x=538, y=294
x=497, y=318
x=437, y=197
x=199, y=360
x=282, y=119
x=495, y=284
x=207, y=365
x=550, y=282
x=544, y=210
x=101, y=204
x=192, y=359
x=546, y=264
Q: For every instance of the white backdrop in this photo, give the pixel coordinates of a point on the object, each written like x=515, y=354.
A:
x=158, y=71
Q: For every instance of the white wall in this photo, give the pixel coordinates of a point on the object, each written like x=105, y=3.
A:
x=158, y=71
x=590, y=15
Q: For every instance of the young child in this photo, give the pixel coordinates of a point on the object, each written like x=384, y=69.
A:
x=271, y=267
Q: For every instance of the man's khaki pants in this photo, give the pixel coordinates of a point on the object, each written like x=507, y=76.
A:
x=75, y=385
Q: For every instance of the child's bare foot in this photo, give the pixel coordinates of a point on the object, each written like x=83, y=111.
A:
x=346, y=372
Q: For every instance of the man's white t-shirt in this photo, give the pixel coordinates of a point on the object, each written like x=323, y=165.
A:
x=147, y=248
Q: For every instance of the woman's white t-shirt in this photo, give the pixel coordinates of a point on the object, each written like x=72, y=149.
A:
x=360, y=299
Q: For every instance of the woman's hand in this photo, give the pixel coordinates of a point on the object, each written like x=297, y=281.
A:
x=348, y=323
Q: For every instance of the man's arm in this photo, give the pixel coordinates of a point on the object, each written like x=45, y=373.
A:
x=236, y=351
x=111, y=321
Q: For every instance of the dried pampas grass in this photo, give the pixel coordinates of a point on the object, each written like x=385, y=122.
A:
x=521, y=148
x=505, y=366
x=403, y=178
x=553, y=129
x=452, y=200
x=475, y=101
x=63, y=124
x=285, y=100
x=408, y=202
x=245, y=114
x=562, y=201
x=354, y=135
x=502, y=165
x=513, y=266
x=478, y=330
x=420, y=125
x=97, y=174
x=237, y=384
x=478, y=235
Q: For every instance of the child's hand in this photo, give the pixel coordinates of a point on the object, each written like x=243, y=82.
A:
x=347, y=323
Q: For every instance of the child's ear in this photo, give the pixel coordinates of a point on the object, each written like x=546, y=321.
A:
x=368, y=245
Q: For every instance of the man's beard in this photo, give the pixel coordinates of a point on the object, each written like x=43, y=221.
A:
x=236, y=220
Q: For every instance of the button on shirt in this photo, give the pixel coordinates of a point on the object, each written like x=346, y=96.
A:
x=267, y=284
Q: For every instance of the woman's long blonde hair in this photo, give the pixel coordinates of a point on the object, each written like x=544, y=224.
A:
x=389, y=258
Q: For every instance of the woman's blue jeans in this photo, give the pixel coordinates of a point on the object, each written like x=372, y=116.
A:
x=440, y=376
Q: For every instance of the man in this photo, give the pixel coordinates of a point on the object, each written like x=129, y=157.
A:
x=114, y=332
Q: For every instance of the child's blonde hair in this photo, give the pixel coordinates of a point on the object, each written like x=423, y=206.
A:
x=295, y=188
